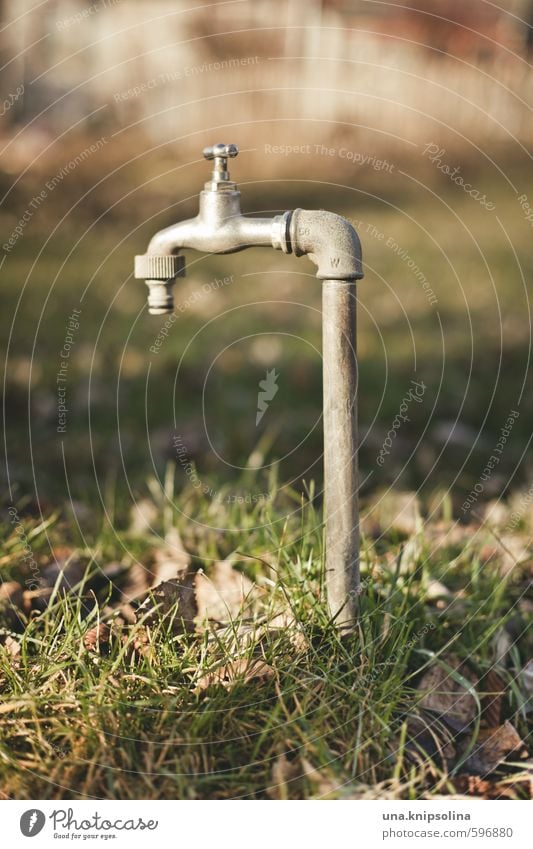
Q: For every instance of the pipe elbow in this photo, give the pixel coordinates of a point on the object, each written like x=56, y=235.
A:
x=330, y=242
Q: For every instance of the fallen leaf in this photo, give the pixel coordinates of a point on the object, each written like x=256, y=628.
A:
x=166, y=563
x=11, y=645
x=139, y=641
x=495, y=513
x=143, y=516
x=322, y=785
x=509, y=550
x=502, y=644
x=66, y=569
x=36, y=600
x=285, y=774
x=435, y=590
x=446, y=534
x=124, y=614
x=136, y=582
x=113, y=570
x=430, y=738
x=10, y=604
x=527, y=682
x=171, y=560
x=242, y=670
x=97, y=638
x=223, y=594
x=447, y=696
x=287, y=623
x=473, y=785
x=493, y=688
x=176, y=597
x=492, y=747
x=398, y=511
x=237, y=639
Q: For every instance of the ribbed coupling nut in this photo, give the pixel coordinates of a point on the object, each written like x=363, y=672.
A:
x=163, y=267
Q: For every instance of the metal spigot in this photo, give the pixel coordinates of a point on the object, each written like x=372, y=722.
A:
x=332, y=244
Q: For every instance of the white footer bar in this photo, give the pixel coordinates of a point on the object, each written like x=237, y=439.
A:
x=268, y=824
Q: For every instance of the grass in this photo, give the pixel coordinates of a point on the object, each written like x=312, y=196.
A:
x=331, y=719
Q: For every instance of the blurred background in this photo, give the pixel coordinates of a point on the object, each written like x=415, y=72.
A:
x=413, y=119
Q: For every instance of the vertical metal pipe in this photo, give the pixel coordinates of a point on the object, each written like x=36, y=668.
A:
x=340, y=450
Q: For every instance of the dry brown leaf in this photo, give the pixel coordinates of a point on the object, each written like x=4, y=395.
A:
x=11, y=591
x=446, y=534
x=285, y=775
x=139, y=641
x=287, y=622
x=242, y=670
x=493, y=746
x=223, y=594
x=322, y=786
x=508, y=550
x=10, y=604
x=66, y=569
x=137, y=581
x=166, y=563
x=502, y=644
x=473, y=785
x=398, y=511
x=143, y=516
x=493, y=688
x=177, y=595
x=435, y=591
x=11, y=645
x=238, y=639
x=527, y=682
x=448, y=698
x=36, y=600
x=495, y=513
x=171, y=560
x=430, y=738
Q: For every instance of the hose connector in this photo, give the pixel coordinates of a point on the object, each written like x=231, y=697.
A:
x=159, y=272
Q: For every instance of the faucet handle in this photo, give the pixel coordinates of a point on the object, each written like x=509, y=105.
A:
x=220, y=154
x=221, y=150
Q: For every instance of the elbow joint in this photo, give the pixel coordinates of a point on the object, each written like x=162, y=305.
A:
x=330, y=242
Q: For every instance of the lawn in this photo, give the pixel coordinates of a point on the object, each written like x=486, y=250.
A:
x=111, y=691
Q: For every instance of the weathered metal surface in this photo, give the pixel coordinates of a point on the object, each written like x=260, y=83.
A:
x=340, y=450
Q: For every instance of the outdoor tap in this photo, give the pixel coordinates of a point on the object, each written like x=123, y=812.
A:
x=332, y=244
x=218, y=228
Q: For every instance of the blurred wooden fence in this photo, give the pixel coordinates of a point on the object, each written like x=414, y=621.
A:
x=175, y=69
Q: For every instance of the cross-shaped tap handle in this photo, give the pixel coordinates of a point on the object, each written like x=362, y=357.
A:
x=220, y=150
x=220, y=153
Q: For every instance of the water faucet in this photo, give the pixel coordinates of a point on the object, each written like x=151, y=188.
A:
x=333, y=245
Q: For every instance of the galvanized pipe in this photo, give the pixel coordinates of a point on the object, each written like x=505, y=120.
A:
x=340, y=450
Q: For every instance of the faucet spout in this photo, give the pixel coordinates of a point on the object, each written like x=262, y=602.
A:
x=213, y=233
